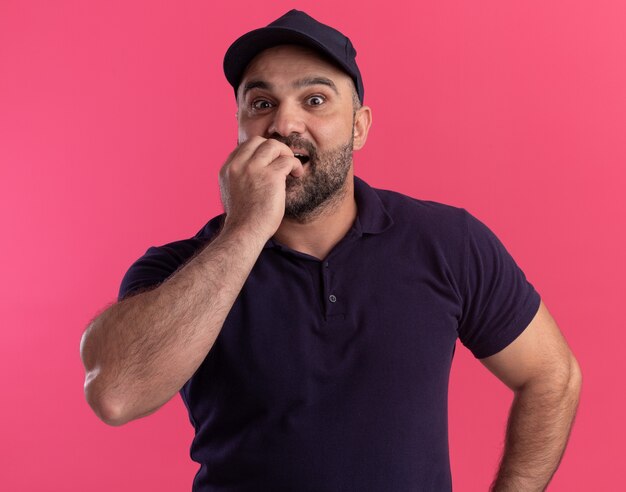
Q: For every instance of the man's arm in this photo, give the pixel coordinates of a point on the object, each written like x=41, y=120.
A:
x=139, y=352
x=542, y=371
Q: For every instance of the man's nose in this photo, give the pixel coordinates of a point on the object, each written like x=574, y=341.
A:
x=288, y=118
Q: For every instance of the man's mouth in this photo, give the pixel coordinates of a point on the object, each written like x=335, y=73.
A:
x=303, y=158
x=302, y=149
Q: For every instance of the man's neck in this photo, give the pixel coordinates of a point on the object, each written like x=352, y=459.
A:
x=320, y=235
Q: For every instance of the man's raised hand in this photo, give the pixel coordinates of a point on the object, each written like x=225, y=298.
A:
x=252, y=184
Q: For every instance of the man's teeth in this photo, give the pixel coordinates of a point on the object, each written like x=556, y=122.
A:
x=303, y=158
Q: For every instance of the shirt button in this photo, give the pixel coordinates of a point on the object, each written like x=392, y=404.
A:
x=326, y=264
x=332, y=298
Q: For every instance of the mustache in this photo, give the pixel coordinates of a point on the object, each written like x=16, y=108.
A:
x=296, y=141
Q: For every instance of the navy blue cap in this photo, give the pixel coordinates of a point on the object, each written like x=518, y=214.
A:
x=295, y=27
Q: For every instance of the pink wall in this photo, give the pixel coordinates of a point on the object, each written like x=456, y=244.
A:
x=115, y=117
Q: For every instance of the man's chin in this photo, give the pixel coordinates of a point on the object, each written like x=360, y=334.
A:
x=297, y=207
x=293, y=185
x=292, y=206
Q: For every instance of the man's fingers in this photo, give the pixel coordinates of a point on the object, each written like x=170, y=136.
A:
x=258, y=152
x=288, y=165
x=244, y=150
x=269, y=151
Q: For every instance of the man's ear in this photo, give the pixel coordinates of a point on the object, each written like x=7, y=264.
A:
x=362, y=123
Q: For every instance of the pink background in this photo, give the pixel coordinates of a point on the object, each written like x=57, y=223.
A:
x=115, y=118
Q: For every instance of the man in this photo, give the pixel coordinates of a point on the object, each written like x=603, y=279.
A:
x=311, y=327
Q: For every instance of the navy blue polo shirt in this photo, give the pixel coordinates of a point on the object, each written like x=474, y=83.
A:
x=332, y=375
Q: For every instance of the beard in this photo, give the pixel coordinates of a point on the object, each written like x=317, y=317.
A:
x=324, y=182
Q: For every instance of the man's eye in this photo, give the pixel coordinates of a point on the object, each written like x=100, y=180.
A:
x=261, y=104
x=315, y=100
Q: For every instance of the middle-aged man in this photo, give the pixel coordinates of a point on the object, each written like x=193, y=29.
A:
x=310, y=328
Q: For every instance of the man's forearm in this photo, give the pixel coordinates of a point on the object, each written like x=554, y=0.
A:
x=139, y=352
x=538, y=428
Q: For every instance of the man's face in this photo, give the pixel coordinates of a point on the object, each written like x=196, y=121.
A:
x=291, y=94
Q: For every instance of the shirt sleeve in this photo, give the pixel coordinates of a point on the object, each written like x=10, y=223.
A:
x=145, y=273
x=155, y=266
x=498, y=301
x=160, y=262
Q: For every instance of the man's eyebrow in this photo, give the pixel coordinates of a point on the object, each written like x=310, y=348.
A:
x=256, y=84
x=307, y=81
x=316, y=81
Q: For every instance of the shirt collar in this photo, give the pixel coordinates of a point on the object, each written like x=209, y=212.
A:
x=372, y=216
